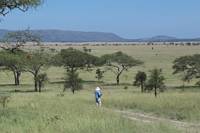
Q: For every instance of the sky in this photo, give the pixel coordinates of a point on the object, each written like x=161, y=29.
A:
x=126, y=18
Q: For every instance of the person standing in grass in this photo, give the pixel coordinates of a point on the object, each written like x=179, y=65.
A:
x=98, y=95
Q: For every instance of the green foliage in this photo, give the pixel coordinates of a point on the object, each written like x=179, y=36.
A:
x=99, y=74
x=156, y=81
x=13, y=62
x=140, y=79
x=189, y=66
x=75, y=59
x=198, y=83
x=121, y=58
x=9, y=59
x=73, y=82
x=7, y=5
x=119, y=62
x=125, y=87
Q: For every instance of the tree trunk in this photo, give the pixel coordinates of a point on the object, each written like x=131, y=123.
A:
x=142, y=87
x=18, y=78
x=73, y=91
x=40, y=86
x=119, y=74
x=35, y=83
x=15, y=77
x=117, y=79
x=155, y=91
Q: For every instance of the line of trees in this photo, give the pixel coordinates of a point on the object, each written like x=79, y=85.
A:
x=18, y=61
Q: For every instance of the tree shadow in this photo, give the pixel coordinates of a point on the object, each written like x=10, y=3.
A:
x=185, y=87
x=114, y=84
x=13, y=85
x=12, y=88
x=83, y=81
x=7, y=85
x=22, y=91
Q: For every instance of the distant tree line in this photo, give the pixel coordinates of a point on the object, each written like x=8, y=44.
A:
x=197, y=43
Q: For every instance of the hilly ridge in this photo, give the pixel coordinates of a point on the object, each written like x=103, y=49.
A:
x=51, y=35
x=72, y=36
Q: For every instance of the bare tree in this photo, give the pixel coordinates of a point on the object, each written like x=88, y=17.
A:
x=13, y=41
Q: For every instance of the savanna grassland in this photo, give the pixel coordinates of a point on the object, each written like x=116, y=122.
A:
x=55, y=112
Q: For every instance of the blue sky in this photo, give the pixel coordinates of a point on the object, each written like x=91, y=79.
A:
x=127, y=18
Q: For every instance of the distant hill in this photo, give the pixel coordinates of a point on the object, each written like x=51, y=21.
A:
x=79, y=36
x=161, y=38
x=72, y=36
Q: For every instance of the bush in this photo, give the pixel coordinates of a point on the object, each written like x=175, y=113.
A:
x=125, y=87
x=198, y=83
x=73, y=82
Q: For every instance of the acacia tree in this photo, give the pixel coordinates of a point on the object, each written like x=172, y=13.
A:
x=119, y=62
x=36, y=61
x=140, y=79
x=189, y=66
x=14, y=63
x=13, y=41
x=23, y=5
x=73, y=60
x=156, y=81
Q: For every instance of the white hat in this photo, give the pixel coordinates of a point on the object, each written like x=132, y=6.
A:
x=98, y=89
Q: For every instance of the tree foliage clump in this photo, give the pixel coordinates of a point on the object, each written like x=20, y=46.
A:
x=99, y=74
x=189, y=66
x=119, y=62
x=74, y=59
x=14, y=62
x=140, y=79
x=73, y=82
x=156, y=81
x=23, y=5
